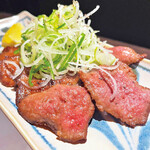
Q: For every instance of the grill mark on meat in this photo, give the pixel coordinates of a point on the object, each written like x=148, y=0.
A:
x=66, y=109
x=132, y=101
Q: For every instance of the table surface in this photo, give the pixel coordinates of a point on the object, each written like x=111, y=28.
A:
x=10, y=133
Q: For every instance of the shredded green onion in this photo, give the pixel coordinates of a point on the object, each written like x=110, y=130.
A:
x=31, y=75
x=17, y=51
x=81, y=40
x=51, y=44
x=47, y=64
x=68, y=57
x=61, y=26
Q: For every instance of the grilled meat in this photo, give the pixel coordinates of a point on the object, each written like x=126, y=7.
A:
x=132, y=101
x=8, y=70
x=127, y=55
x=65, y=109
x=24, y=89
x=8, y=52
x=66, y=79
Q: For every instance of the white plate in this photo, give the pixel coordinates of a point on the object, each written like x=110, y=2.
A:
x=102, y=134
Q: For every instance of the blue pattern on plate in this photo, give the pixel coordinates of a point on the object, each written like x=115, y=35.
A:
x=9, y=99
x=144, y=137
x=130, y=133
x=1, y=40
x=123, y=132
x=43, y=137
x=105, y=129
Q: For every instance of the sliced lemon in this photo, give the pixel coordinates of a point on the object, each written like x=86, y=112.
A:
x=13, y=35
x=105, y=58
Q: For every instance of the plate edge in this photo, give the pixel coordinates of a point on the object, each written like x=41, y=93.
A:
x=17, y=125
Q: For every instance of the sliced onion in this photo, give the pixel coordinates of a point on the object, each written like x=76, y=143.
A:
x=72, y=73
x=12, y=63
x=35, y=62
x=114, y=83
x=98, y=67
x=23, y=55
x=18, y=72
x=62, y=72
x=44, y=83
x=18, y=69
x=90, y=13
x=112, y=67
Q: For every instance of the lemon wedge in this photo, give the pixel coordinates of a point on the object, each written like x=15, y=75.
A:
x=13, y=35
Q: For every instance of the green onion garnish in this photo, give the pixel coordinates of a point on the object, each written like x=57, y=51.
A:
x=47, y=64
x=67, y=58
x=62, y=42
x=81, y=40
x=17, y=51
x=61, y=26
x=30, y=76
